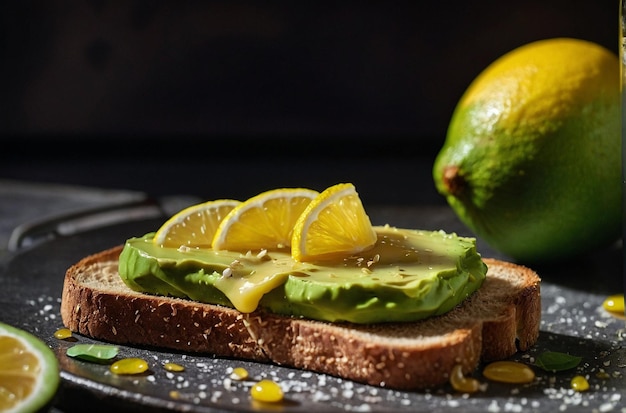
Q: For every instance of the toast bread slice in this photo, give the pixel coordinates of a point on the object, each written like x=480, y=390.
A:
x=499, y=319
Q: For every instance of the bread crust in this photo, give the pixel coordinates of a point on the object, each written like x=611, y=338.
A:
x=502, y=317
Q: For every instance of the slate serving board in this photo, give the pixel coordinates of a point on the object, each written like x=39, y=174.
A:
x=573, y=321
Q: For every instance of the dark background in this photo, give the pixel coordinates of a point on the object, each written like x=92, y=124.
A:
x=230, y=98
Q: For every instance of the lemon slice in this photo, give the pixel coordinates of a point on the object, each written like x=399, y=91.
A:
x=335, y=223
x=194, y=226
x=29, y=371
x=264, y=221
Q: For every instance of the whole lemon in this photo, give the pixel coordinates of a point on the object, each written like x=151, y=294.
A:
x=531, y=162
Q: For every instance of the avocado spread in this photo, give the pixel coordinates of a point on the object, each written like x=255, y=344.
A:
x=406, y=276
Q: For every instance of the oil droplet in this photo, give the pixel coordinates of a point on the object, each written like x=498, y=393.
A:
x=129, y=366
x=509, y=372
x=266, y=391
x=239, y=373
x=174, y=394
x=461, y=383
x=614, y=304
x=173, y=367
x=579, y=383
x=63, y=333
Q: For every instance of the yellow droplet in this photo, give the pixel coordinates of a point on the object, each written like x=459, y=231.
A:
x=579, y=383
x=174, y=394
x=129, y=366
x=239, y=373
x=461, y=383
x=614, y=304
x=63, y=333
x=266, y=391
x=173, y=367
x=509, y=372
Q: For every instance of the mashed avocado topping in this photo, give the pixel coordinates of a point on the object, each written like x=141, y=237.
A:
x=406, y=276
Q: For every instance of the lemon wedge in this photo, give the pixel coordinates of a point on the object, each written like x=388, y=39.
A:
x=334, y=223
x=29, y=371
x=264, y=221
x=194, y=226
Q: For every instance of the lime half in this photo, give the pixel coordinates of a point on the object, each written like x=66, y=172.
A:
x=29, y=371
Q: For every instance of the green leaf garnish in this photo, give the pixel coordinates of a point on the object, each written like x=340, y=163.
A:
x=95, y=353
x=556, y=361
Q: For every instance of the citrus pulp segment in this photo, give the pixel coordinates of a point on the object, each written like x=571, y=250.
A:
x=194, y=226
x=264, y=221
x=335, y=222
x=29, y=371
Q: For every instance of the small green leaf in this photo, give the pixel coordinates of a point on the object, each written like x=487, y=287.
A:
x=556, y=361
x=95, y=353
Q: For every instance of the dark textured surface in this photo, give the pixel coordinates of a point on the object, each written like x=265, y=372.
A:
x=293, y=69
x=220, y=98
x=572, y=321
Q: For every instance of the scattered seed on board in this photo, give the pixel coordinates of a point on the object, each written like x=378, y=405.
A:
x=509, y=372
x=461, y=383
